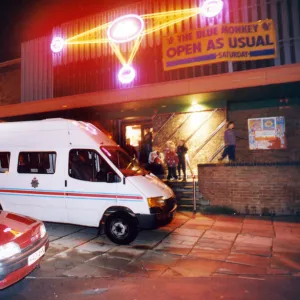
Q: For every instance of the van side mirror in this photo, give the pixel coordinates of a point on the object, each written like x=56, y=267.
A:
x=112, y=177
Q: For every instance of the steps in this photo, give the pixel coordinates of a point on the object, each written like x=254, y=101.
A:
x=184, y=195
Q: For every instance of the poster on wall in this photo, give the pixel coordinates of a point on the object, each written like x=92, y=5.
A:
x=267, y=133
x=219, y=43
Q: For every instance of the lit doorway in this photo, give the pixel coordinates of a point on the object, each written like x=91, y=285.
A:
x=139, y=134
x=133, y=135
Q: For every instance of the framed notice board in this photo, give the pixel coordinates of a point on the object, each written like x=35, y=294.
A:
x=267, y=133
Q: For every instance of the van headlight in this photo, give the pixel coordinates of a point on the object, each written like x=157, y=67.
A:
x=8, y=250
x=43, y=230
x=157, y=201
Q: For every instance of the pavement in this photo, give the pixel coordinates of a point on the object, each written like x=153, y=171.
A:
x=189, y=247
x=209, y=288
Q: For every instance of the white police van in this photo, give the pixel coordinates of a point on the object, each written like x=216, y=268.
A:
x=68, y=171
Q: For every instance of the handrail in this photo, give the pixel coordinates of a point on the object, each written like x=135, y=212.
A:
x=194, y=184
x=210, y=137
x=171, y=117
x=178, y=127
x=194, y=196
x=216, y=153
x=202, y=123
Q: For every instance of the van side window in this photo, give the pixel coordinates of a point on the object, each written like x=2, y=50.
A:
x=4, y=162
x=37, y=162
x=88, y=165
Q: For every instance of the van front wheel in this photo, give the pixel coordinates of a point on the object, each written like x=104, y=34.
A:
x=121, y=228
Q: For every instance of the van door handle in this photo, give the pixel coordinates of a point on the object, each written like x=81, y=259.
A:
x=66, y=183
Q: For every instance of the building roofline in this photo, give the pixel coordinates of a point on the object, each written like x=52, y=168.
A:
x=170, y=89
x=10, y=62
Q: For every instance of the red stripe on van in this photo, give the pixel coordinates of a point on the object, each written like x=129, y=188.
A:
x=33, y=192
x=104, y=196
x=71, y=194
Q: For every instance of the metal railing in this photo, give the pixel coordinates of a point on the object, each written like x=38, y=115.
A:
x=201, y=124
x=178, y=127
x=194, y=186
x=210, y=137
x=169, y=119
x=219, y=150
x=194, y=196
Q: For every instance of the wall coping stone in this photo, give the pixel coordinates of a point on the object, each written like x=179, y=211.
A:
x=252, y=164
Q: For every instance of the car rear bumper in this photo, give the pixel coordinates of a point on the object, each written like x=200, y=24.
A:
x=158, y=216
x=16, y=269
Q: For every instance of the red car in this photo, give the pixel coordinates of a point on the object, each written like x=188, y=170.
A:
x=23, y=242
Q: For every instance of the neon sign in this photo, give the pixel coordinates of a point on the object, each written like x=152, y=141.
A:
x=126, y=74
x=125, y=29
x=57, y=44
x=131, y=29
x=211, y=8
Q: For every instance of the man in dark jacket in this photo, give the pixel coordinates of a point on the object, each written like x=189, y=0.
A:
x=181, y=152
x=130, y=149
x=230, y=142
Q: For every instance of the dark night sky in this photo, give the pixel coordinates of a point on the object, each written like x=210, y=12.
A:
x=22, y=20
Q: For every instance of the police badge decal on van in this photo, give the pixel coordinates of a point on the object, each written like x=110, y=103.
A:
x=34, y=183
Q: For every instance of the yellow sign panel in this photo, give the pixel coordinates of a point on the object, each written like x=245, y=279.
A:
x=218, y=43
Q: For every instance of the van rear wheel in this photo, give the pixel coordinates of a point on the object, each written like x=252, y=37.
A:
x=121, y=228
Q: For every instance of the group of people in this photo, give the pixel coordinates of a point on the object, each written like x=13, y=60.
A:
x=176, y=158
x=173, y=157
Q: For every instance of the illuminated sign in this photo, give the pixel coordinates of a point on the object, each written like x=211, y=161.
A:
x=131, y=29
x=57, y=44
x=126, y=74
x=219, y=43
x=125, y=29
x=211, y=8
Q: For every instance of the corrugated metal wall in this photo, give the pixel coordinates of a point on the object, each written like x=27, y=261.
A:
x=36, y=70
x=88, y=68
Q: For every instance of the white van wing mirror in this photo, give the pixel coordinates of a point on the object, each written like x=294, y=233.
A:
x=112, y=177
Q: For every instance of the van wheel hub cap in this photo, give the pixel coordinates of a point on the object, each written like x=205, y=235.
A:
x=119, y=229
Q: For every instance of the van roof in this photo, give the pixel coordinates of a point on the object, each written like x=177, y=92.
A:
x=50, y=124
x=49, y=130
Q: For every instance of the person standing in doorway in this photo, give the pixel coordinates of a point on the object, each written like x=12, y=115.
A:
x=181, y=152
x=230, y=143
x=148, y=142
x=130, y=149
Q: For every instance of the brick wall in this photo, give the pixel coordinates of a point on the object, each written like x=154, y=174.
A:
x=10, y=83
x=254, y=189
x=292, y=119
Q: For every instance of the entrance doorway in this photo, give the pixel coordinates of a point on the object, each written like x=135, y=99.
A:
x=133, y=135
x=139, y=134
